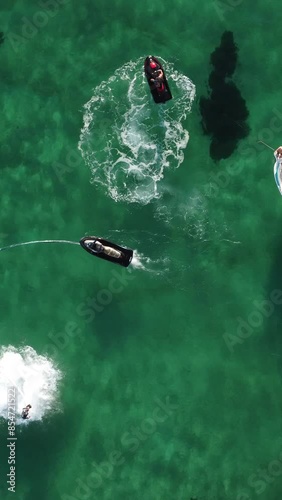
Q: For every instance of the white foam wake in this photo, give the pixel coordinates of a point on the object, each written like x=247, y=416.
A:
x=127, y=140
x=139, y=260
x=154, y=266
x=35, y=379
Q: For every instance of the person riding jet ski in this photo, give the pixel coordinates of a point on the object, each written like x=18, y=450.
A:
x=107, y=250
x=157, y=76
x=278, y=152
x=156, y=79
x=111, y=252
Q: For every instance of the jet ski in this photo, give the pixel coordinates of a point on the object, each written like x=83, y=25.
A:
x=107, y=250
x=277, y=170
x=157, y=80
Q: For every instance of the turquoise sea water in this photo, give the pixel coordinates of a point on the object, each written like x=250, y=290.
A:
x=162, y=381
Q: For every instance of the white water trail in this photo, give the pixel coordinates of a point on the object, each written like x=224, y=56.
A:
x=143, y=263
x=139, y=260
x=39, y=241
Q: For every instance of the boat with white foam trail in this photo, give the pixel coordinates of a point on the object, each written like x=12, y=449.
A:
x=157, y=80
x=104, y=249
x=99, y=247
x=128, y=157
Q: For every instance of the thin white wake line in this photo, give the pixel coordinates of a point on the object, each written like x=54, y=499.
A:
x=39, y=241
x=231, y=241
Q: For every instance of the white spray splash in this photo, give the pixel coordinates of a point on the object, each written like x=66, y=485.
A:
x=139, y=261
x=35, y=379
x=154, y=266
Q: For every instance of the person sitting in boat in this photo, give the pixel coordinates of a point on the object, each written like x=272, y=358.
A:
x=97, y=246
x=157, y=80
x=111, y=252
x=25, y=412
x=157, y=75
x=278, y=152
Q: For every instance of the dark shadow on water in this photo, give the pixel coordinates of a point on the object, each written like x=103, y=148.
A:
x=224, y=111
x=1, y=37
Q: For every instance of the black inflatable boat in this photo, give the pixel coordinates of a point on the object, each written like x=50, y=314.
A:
x=157, y=80
x=107, y=250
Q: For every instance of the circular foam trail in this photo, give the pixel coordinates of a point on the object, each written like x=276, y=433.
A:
x=127, y=140
x=35, y=379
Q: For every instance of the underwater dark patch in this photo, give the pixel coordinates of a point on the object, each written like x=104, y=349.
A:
x=224, y=111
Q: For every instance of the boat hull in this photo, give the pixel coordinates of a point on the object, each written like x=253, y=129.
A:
x=159, y=97
x=126, y=253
